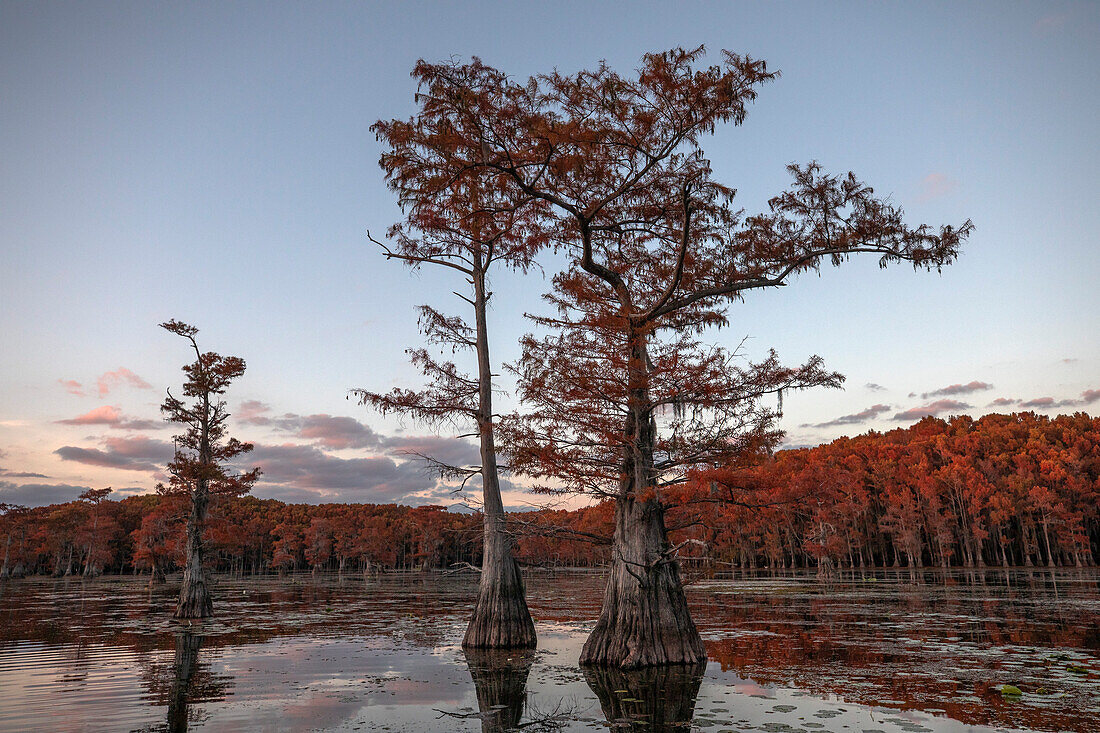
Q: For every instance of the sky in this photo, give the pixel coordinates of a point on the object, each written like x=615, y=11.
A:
x=213, y=163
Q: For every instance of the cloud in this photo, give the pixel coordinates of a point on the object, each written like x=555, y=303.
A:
x=452, y=451
x=298, y=468
x=337, y=432
x=860, y=417
x=252, y=412
x=1089, y=396
x=933, y=408
x=109, y=380
x=1003, y=402
x=935, y=185
x=72, y=386
x=130, y=453
x=39, y=494
x=957, y=389
x=106, y=415
x=328, y=431
x=875, y=387
x=21, y=474
x=1044, y=403
x=112, y=417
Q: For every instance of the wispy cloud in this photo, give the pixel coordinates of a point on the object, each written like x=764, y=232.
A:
x=1003, y=402
x=1044, y=403
x=253, y=412
x=112, y=417
x=875, y=387
x=957, y=389
x=854, y=419
x=109, y=380
x=933, y=408
x=72, y=386
x=21, y=474
x=935, y=185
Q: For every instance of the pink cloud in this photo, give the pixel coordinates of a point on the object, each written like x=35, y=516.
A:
x=1003, y=402
x=109, y=380
x=935, y=185
x=860, y=417
x=1090, y=395
x=253, y=412
x=933, y=408
x=1043, y=403
x=957, y=389
x=105, y=415
x=112, y=417
x=72, y=386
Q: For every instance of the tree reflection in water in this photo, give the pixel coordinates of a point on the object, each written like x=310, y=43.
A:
x=191, y=682
x=187, y=659
x=647, y=699
x=500, y=680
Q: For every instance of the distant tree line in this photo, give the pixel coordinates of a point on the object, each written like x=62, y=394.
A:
x=1019, y=489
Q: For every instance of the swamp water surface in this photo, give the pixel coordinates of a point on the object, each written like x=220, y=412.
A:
x=875, y=652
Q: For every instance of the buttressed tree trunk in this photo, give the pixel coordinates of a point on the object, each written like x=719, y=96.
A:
x=501, y=618
x=645, y=619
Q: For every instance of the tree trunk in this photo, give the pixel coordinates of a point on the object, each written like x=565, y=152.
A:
x=1046, y=536
x=194, y=600
x=645, y=619
x=501, y=619
x=4, y=571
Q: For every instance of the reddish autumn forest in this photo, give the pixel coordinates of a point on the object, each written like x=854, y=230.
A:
x=1018, y=489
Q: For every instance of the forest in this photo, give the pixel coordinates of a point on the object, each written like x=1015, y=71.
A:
x=1004, y=490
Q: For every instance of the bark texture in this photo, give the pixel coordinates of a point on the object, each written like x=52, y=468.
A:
x=194, y=600
x=644, y=620
x=501, y=619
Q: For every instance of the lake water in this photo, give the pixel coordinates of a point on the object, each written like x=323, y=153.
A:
x=883, y=651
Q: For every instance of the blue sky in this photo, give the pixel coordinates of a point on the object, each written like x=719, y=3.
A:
x=213, y=162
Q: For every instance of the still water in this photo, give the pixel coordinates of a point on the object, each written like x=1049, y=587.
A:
x=874, y=652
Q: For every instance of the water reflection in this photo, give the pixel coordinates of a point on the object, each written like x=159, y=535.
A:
x=650, y=699
x=500, y=682
x=186, y=660
x=306, y=653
